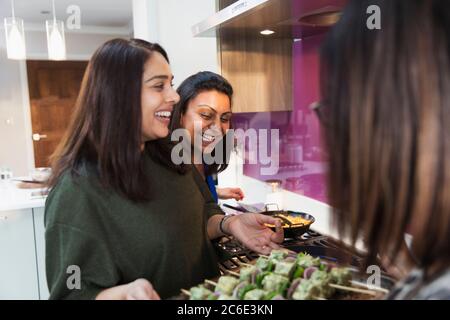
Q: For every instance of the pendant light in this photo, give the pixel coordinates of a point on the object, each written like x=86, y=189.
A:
x=56, y=41
x=15, y=37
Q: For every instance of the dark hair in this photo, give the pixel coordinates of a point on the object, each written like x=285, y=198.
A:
x=188, y=90
x=386, y=102
x=106, y=127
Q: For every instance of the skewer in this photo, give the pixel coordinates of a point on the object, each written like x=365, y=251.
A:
x=345, y=288
x=336, y=286
x=211, y=282
x=373, y=288
x=184, y=291
x=263, y=255
x=233, y=273
x=246, y=264
x=243, y=264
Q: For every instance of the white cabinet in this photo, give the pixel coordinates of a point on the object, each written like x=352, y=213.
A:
x=39, y=230
x=18, y=271
x=22, y=255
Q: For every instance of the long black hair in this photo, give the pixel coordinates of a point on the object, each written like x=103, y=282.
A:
x=386, y=106
x=105, y=129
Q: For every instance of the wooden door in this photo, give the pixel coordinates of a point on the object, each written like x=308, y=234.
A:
x=53, y=88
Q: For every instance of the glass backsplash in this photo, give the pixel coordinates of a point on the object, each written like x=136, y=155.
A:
x=301, y=156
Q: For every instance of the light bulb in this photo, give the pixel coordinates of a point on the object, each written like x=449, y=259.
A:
x=15, y=41
x=56, y=42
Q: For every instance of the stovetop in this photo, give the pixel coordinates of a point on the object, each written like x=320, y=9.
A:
x=232, y=253
x=232, y=256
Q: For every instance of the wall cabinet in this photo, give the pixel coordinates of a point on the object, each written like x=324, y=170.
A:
x=258, y=67
x=260, y=71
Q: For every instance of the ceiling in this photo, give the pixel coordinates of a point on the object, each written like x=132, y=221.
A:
x=99, y=13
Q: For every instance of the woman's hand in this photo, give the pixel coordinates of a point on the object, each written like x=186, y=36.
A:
x=230, y=193
x=140, y=289
x=251, y=231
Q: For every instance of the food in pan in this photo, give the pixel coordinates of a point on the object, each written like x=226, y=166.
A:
x=291, y=221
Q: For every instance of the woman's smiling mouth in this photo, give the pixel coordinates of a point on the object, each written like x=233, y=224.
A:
x=163, y=116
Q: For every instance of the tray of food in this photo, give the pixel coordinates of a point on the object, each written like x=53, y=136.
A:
x=286, y=275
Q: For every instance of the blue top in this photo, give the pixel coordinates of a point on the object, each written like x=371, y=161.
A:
x=212, y=187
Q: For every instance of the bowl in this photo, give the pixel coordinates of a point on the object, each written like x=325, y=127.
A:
x=41, y=174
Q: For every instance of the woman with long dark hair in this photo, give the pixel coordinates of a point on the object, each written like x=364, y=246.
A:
x=122, y=223
x=206, y=99
x=386, y=116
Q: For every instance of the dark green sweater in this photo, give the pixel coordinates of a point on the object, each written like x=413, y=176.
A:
x=115, y=241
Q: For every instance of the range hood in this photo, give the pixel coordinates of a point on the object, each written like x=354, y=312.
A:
x=295, y=19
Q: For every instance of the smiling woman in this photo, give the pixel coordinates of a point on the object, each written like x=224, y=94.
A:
x=156, y=111
x=204, y=111
x=128, y=220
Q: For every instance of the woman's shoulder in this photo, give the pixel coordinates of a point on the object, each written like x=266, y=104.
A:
x=437, y=289
x=75, y=196
x=414, y=286
x=75, y=183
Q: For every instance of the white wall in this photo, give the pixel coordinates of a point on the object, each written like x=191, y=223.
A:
x=79, y=46
x=169, y=23
x=174, y=20
x=16, y=148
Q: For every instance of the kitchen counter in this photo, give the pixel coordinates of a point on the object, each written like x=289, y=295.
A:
x=13, y=198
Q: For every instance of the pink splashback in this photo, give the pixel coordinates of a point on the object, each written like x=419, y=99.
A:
x=301, y=155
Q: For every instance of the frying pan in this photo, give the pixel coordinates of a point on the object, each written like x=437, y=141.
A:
x=290, y=230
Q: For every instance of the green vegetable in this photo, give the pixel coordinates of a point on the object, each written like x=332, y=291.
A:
x=255, y=294
x=262, y=263
x=306, y=260
x=298, y=272
x=284, y=288
x=341, y=276
x=212, y=297
x=278, y=255
x=260, y=277
x=244, y=290
x=271, y=295
x=306, y=290
x=246, y=273
x=274, y=282
x=284, y=268
x=226, y=284
x=200, y=293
